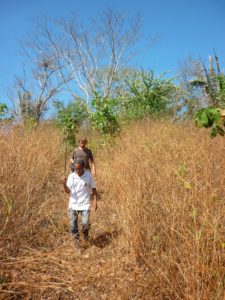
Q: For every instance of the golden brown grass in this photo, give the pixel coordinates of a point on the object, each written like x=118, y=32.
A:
x=167, y=185
x=158, y=232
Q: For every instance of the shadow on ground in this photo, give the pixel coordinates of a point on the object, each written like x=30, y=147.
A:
x=104, y=239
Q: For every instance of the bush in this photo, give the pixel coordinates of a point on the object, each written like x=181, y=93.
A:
x=69, y=118
x=104, y=117
x=147, y=96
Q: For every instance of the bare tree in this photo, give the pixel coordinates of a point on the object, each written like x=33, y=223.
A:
x=30, y=97
x=86, y=58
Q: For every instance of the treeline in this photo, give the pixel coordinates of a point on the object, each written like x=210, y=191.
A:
x=91, y=65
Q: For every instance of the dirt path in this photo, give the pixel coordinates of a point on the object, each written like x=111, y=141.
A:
x=103, y=269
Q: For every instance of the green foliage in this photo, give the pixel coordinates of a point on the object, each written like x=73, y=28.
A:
x=5, y=116
x=214, y=86
x=210, y=117
x=220, y=81
x=147, y=96
x=30, y=122
x=142, y=95
x=182, y=170
x=3, y=110
x=104, y=117
x=217, y=130
x=69, y=118
x=205, y=117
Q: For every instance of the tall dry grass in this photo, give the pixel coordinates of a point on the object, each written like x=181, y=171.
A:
x=158, y=232
x=166, y=184
x=28, y=177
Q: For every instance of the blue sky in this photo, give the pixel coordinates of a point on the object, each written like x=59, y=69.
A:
x=181, y=28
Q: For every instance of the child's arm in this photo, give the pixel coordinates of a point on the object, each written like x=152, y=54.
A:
x=95, y=195
x=93, y=168
x=67, y=190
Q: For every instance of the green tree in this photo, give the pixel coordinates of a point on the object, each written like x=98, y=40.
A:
x=70, y=117
x=5, y=117
x=105, y=115
x=147, y=95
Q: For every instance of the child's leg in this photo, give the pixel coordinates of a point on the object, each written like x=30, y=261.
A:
x=73, y=216
x=85, y=223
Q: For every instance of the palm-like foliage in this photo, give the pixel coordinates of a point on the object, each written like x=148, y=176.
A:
x=213, y=84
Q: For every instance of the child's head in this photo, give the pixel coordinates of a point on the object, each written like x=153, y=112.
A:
x=79, y=166
x=82, y=142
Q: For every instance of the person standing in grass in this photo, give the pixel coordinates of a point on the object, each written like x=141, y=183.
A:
x=85, y=154
x=79, y=185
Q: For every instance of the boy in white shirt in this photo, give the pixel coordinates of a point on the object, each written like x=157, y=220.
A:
x=79, y=185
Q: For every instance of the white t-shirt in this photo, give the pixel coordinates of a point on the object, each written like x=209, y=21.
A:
x=80, y=187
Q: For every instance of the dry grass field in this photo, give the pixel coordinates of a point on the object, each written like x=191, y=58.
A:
x=159, y=231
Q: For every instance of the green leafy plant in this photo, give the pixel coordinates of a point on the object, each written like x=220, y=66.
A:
x=182, y=170
x=104, y=116
x=3, y=110
x=70, y=117
x=5, y=116
x=147, y=95
x=210, y=117
x=212, y=82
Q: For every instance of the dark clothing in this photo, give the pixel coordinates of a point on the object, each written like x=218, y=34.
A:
x=84, y=154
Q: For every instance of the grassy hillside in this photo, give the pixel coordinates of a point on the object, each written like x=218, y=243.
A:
x=158, y=232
